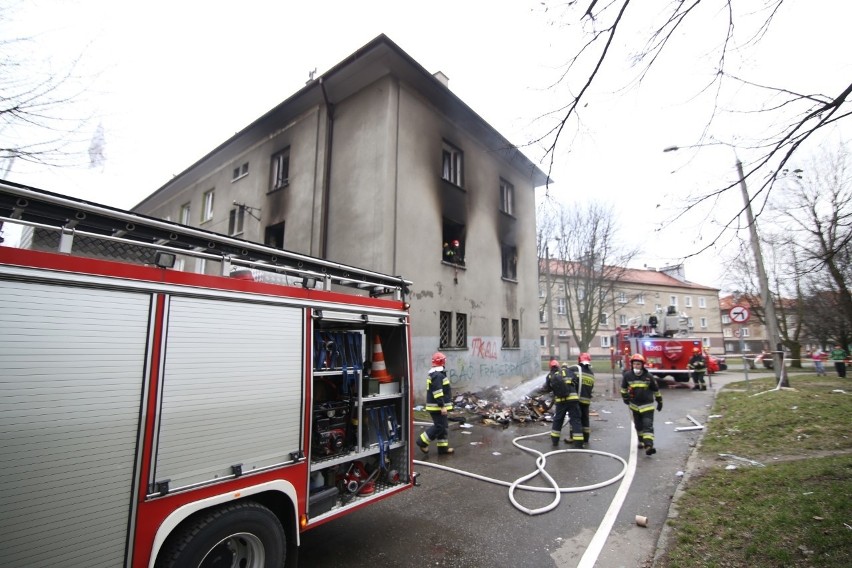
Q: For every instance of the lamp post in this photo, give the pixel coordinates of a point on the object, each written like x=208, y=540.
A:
x=763, y=281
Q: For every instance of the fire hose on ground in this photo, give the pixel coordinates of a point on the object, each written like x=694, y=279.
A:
x=541, y=463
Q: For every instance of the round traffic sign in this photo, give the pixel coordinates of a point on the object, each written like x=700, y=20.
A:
x=739, y=314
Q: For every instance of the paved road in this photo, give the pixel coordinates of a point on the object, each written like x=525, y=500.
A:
x=451, y=520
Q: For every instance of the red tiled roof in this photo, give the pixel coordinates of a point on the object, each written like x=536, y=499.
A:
x=647, y=277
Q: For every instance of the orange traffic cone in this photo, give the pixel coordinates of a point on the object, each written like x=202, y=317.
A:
x=378, y=369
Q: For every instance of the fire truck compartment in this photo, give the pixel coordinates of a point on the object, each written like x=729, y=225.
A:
x=73, y=363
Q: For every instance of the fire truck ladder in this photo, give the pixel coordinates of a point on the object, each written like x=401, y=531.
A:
x=147, y=240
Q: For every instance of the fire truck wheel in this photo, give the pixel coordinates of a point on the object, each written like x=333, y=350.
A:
x=243, y=534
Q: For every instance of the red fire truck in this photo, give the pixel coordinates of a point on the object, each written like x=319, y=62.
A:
x=666, y=345
x=152, y=416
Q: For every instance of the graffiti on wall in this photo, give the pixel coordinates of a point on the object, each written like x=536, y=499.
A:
x=484, y=349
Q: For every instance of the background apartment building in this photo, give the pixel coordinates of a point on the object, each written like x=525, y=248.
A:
x=638, y=294
x=377, y=164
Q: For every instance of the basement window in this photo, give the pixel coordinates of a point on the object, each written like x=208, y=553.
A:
x=453, y=334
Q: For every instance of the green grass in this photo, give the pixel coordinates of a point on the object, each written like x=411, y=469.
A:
x=795, y=511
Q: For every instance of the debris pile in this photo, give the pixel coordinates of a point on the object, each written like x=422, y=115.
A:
x=490, y=406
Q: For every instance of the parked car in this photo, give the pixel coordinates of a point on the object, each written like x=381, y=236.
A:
x=716, y=364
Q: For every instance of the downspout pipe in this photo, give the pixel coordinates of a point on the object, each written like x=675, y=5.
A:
x=326, y=178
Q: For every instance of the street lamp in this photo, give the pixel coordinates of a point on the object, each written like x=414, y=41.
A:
x=763, y=281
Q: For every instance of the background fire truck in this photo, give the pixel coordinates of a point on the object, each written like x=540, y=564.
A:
x=156, y=417
x=666, y=344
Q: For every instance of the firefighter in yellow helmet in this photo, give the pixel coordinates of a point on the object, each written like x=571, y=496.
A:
x=439, y=401
x=639, y=390
x=566, y=402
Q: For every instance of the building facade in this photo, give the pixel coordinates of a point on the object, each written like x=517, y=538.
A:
x=637, y=295
x=377, y=164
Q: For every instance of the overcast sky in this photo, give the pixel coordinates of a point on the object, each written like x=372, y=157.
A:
x=170, y=81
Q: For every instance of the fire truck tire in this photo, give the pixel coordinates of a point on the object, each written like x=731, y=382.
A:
x=243, y=534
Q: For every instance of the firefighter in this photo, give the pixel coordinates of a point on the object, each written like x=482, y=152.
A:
x=439, y=401
x=566, y=401
x=584, y=384
x=639, y=390
x=698, y=365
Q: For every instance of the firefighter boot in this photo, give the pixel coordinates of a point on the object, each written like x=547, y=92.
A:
x=444, y=450
x=703, y=386
x=586, y=439
x=650, y=450
x=424, y=446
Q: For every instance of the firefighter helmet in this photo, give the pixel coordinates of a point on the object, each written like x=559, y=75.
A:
x=438, y=359
x=584, y=358
x=637, y=357
x=554, y=364
x=696, y=350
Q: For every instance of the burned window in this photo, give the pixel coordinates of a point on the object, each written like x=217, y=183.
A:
x=452, y=249
x=274, y=236
x=280, y=170
x=509, y=255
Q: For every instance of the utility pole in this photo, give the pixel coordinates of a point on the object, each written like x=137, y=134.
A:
x=548, y=302
x=765, y=294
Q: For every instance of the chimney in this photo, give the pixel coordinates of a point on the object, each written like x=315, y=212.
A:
x=442, y=78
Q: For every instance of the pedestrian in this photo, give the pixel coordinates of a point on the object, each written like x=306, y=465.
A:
x=584, y=384
x=817, y=356
x=439, y=401
x=698, y=365
x=639, y=390
x=839, y=355
x=566, y=401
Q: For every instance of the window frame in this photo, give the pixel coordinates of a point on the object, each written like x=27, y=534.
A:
x=452, y=164
x=507, y=197
x=509, y=262
x=236, y=221
x=207, y=201
x=240, y=172
x=186, y=214
x=277, y=180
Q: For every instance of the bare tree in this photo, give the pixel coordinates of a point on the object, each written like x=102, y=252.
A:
x=815, y=207
x=586, y=262
x=795, y=116
x=41, y=115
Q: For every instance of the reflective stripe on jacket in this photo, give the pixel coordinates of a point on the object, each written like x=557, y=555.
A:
x=438, y=394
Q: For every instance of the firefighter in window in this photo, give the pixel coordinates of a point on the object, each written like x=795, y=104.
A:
x=566, y=401
x=698, y=365
x=439, y=401
x=639, y=390
x=584, y=384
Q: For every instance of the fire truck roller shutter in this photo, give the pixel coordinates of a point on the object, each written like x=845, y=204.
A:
x=232, y=389
x=73, y=363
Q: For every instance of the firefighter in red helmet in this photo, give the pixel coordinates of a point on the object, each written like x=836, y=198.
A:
x=698, y=365
x=584, y=383
x=439, y=401
x=639, y=390
x=566, y=402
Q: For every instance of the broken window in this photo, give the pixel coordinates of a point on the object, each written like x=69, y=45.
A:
x=509, y=256
x=274, y=236
x=453, y=242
